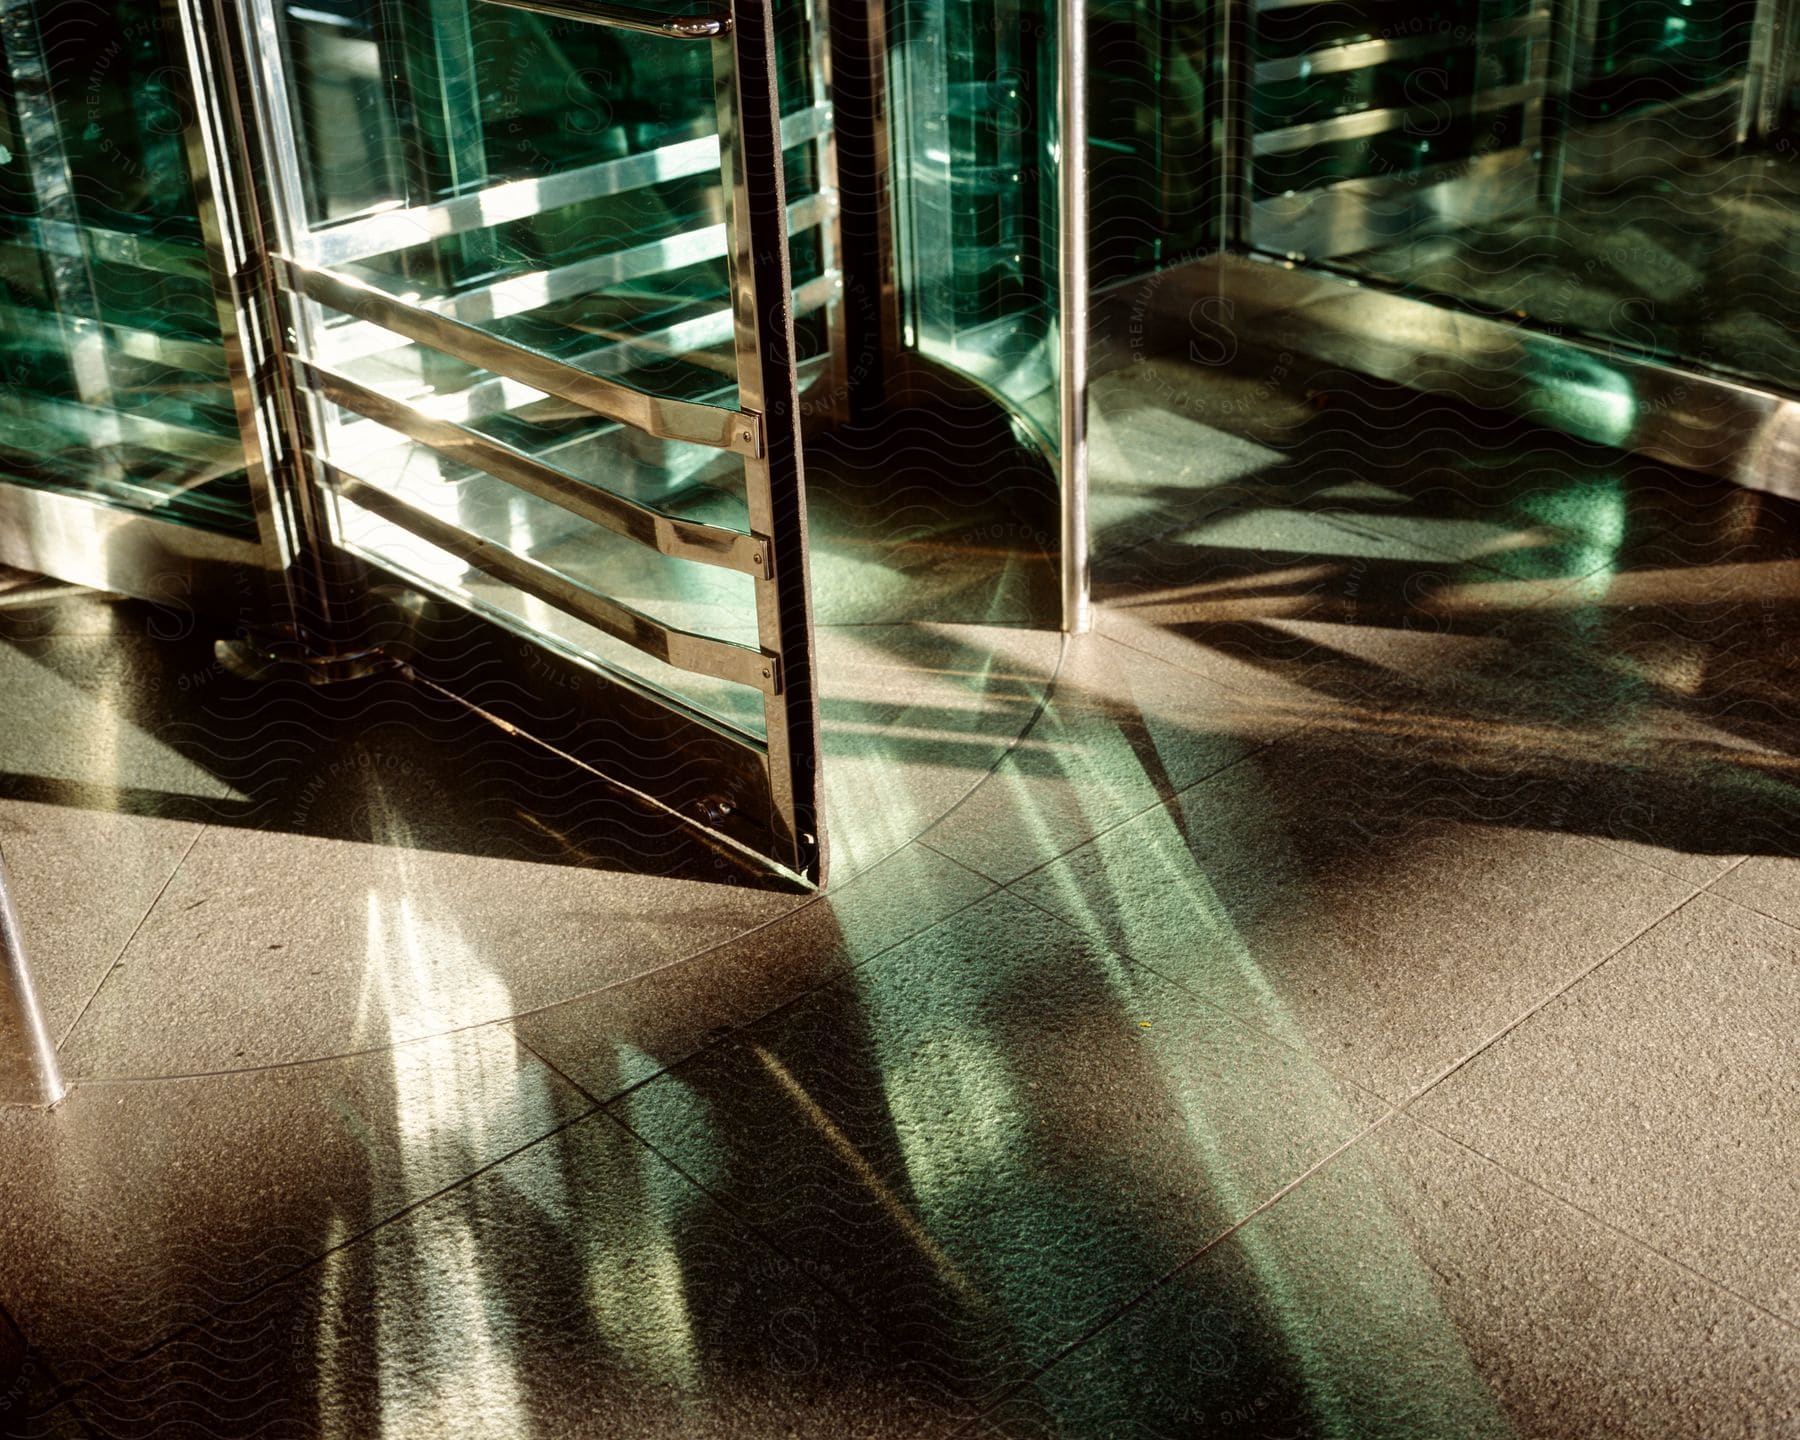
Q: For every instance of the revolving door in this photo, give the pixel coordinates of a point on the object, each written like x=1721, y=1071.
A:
x=475, y=337
x=404, y=331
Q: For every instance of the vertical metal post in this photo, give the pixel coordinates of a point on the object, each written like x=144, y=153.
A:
x=1072, y=305
x=1231, y=136
x=29, y=1073
x=1768, y=74
x=750, y=163
x=253, y=199
x=1573, y=26
x=831, y=229
x=870, y=333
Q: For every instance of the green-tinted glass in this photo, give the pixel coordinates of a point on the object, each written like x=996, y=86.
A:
x=1564, y=164
x=975, y=164
x=576, y=251
x=114, y=373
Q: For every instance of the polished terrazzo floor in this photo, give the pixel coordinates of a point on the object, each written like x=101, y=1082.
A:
x=1351, y=993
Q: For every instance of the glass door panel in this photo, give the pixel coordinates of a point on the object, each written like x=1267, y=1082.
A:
x=975, y=157
x=1619, y=171
x=545, y=341
x=115, y=386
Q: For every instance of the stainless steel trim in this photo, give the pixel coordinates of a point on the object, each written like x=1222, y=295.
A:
x=1568, y=54
x=519, y=294
x=1684, y=417
x=244, y=136
x=668, y=534
x=626, y=17
x=495, y=394
x=1770, y=71
x=1364, y=123
x=700, y=654
x=127, y=552
x=739, y=431
x=836, y=401
x=1230, y=147
x=745, y=93
x=29, y=1071
x=1359, y=54
x=1072, y=314
x=402, y=228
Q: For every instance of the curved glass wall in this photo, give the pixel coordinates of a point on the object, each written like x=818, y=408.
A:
x=115, y=384
x=973, y=94
x=1621, y=171
x=563, y=193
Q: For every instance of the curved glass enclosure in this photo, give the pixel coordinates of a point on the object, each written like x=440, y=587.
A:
x=975, y=163
x=554, y=186
x=115, y=375
x=1623, y=172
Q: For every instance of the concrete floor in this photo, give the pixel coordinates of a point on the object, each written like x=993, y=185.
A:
x=1351, y=993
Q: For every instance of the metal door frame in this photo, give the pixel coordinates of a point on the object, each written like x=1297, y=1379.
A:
x=760, y=793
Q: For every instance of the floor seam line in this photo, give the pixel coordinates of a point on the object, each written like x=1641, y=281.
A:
x=142, y=920
x=1162, y=802
x=552, y=1066
x=1012, y=745
x=1126, y=1307
x=1742, y=905
x=736, y=1032
x=1549, y=999
x=1255, y=1026
x=286, y=1276
x=1640, y=1241
x=508, y=1022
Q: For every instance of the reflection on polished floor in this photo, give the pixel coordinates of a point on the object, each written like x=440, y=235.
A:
x=1351, y=993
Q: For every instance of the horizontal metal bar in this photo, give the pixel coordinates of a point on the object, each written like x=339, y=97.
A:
x=1342, y=217
x=627, y=17
x=495, y=394
x=402, y=228
x=46, y=327
x=735, y=430
x=668, y=534
x=118, y=247
x=97, y=428
x=1360, y=54
x=1364, y=123
x=698, y=654
x=521, y=294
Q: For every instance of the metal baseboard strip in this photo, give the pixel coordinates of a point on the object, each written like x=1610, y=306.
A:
x=1680, y=416
x=127, y=552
